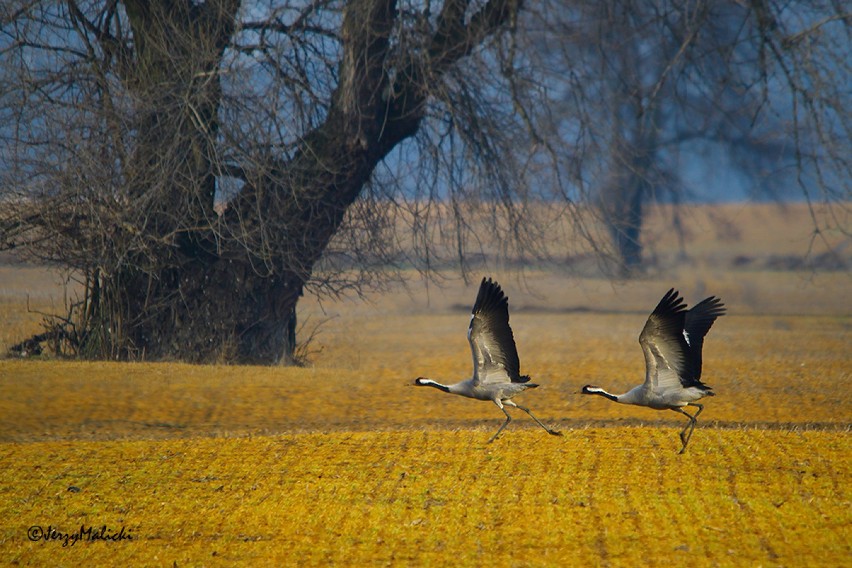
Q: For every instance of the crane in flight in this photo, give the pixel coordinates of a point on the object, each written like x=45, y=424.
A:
x=672, y=340
x=496, y=367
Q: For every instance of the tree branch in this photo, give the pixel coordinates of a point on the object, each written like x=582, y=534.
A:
x=453, y=40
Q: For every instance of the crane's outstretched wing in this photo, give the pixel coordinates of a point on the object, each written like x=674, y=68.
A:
x=495, y=357
x=663, y=343
x=699, y=319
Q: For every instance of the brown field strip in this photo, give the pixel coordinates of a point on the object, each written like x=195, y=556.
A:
x=766, y=370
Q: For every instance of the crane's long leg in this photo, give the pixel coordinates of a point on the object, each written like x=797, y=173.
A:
x=684, y=437
x=506, y=423
x=694, y=421
x=527, y=410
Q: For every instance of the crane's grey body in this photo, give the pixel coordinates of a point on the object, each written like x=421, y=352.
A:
x=496, y=367
x=472, y=389
x=672, y=340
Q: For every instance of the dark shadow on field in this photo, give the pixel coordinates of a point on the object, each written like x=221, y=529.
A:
x=520, y=423
x=117, y=429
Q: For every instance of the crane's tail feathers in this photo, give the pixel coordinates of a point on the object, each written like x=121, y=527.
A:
x=705, y=390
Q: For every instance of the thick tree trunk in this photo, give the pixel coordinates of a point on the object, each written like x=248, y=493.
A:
x=221, y=311
x=621, y=203
x=634, y=148
x=621, y=206
x=176, y=296
x=625, y=225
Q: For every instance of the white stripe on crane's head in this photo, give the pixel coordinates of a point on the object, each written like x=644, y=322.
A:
x=591, y=389
x=686, y=336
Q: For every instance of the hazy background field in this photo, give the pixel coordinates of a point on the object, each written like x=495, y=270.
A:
x=345, y=462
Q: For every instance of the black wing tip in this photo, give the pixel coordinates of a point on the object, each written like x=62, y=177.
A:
x=524, y=379
x=705, y=312
x=671, y=304
x=490, y=295
x=712, y=306
x=490, y=284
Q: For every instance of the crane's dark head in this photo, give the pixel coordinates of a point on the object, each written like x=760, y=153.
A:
x=422, y=381
x=589, y=389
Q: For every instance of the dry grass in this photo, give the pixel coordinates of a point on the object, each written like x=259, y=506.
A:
x=346, y=463
x=24, y=292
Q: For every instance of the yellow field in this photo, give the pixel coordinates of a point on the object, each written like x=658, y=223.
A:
x=346, y=463
x=353, y=466
x=597, y=497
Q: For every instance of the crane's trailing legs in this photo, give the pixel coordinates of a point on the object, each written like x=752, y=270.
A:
x=684, y=437
x=500, y=404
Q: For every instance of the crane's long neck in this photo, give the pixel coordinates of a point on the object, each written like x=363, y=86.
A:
x=421, y=382
x=636, y=395
x=600, y=392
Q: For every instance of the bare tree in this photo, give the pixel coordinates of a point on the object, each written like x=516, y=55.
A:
x=759, y=87
x=197, y=164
